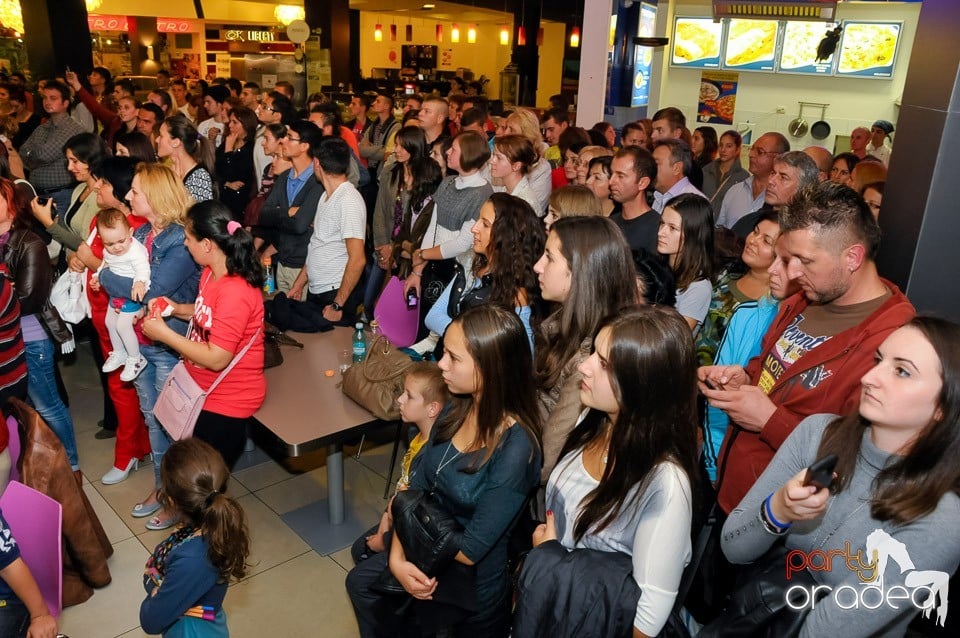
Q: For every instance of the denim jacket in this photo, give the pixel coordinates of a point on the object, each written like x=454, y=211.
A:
x=173, y=273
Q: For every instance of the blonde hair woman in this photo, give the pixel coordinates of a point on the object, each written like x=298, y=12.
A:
x=572, y=201
x=159, y=196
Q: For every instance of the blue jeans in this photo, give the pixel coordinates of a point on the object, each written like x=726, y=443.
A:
x=14, y=619
x=148, y=383
x=43, y=394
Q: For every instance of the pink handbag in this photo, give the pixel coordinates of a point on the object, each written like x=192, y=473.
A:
x=397, y=320
x=181, y=399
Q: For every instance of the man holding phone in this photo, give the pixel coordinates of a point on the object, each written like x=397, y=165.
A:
x=42, y=153
x=821, y=342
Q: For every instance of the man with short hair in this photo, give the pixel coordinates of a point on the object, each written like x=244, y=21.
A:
x=473, y=119
x=668, y=122
x=823, y=159
x=747, y=196
x=123, y=88
x=274, y=109
x=178, y=89
x=793, y=174
x=162, y=99
x=821, y=342
x=378, y=140
x=632, y=172
x=213, y=103
x=632, y=134
x=455, y=107
x=554, y=122
x=674, y=159
x=433, y=119
x=250, y=95
x=235, y=87
x=671, y=123
x=412, y=103
x=359, y=105
x=859, y=138
x=291, y=205
x=286, y=89
x=335, y=255
x=149, y=120
x=42, y=152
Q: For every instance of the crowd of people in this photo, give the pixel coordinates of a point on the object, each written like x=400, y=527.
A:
x=622, y=335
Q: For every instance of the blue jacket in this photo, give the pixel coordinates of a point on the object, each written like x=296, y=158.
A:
x=740, y=343
x=173, y=273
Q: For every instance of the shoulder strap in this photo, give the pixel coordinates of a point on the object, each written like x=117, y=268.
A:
x=235, y=361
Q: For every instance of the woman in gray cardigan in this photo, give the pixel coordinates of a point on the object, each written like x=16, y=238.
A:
x=881, y=540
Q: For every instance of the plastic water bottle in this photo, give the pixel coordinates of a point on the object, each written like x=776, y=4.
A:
x=359, y=343
x=269, y=283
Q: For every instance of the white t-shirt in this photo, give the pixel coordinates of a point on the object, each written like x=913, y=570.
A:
x=340, y=216
x=204, y=129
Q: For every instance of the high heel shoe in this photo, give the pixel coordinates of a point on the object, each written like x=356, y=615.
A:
x=116, y=475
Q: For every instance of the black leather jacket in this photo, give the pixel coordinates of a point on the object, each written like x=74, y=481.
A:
x=32, y=274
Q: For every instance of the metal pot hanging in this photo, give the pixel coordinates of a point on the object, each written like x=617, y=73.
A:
x=820, y=130
x=798, y=127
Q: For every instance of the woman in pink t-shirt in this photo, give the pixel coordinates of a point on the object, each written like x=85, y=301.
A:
x=227, y=315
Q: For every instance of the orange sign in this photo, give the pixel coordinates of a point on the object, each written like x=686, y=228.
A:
x=107, y=23
x=178, y=25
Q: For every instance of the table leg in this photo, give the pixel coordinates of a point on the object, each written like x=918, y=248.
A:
x=335, y=482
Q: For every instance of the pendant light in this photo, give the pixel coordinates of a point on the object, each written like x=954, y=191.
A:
x=504, y=35
x=472, y=34
x=455, y=33
x=575, y=37
x=378, y=33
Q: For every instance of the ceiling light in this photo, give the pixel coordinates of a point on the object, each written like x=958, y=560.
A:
x=287, y=13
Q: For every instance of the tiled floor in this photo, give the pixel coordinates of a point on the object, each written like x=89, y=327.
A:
x=290, y=590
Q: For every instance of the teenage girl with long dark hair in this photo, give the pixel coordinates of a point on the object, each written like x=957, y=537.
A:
x=226, y=317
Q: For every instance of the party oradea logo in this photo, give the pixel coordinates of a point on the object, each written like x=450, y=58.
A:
x=921, y=589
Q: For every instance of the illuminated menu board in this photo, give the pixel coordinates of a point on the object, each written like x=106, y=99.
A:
x=696, y=43
x=868, y=49
x=798, y=54
x=751, y=45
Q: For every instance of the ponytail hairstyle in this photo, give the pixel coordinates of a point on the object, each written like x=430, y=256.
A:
x=199, y=147
x=193, y=479
x=213, y=220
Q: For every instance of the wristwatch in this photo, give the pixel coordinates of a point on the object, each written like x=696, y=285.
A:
x=336, y=306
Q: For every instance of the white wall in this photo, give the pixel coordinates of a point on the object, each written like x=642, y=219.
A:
x=853, y=102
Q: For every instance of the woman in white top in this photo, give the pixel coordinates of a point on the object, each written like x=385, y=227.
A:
x=686, y=238
x=513, y=157
x=623, y=483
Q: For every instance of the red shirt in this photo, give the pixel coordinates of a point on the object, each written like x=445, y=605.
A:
x=227, y=313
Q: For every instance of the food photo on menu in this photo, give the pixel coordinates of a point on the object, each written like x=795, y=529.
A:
x=697, y=42
x=868, y=49
x=751, y=44
x=801, y=42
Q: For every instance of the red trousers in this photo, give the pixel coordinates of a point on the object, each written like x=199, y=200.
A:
x=132, y=441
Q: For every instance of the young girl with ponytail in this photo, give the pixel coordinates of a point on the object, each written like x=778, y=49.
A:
x=227, y=318
x=187, y=575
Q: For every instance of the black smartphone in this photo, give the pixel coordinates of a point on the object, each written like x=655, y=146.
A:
x=43, y=200
x=820, y=473
x=710, y=384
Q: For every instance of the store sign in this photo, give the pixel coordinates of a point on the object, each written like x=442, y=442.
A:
x=177, y=25
x=248, y=36
x=107, y=23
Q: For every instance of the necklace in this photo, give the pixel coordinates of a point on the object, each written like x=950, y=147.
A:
x=443, y=460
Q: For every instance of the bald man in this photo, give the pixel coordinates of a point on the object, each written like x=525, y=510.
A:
x=822, y=158
x=859, y=138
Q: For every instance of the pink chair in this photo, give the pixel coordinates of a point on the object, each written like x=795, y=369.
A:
x=14, y=446
x=36, y=521
x=398, y=321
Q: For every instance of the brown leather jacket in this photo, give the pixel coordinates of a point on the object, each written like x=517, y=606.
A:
x=43, y=466
x=29, y=266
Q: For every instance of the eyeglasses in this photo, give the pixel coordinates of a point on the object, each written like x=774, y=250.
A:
x=761, y=152
x=264, y=107
x=292, y=139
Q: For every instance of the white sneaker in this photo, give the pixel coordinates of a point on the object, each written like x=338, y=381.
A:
x=115, y=361
x=133, y=368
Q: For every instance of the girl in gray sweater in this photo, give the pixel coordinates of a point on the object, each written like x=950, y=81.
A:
x=882, y=539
